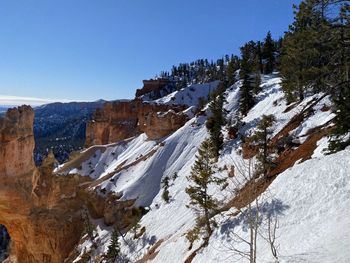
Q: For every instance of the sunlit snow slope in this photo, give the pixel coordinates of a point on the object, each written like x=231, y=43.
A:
x=312, y=199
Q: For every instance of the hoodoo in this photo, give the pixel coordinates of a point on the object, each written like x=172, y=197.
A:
x=41, y=210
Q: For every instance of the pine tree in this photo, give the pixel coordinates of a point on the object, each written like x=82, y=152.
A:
x=88, y=227
x=306, y=51
x=248, y=59
x=316, y=57
x=261, y=140
x=217, y=119
x=232, y=67
x=341, y=90
x=114, y=247
x=202, y=176
x=165, y=194
x=249, y=68
x=259, y=67
x=257, y=83
x=246, y=101
x=278, y=47
x=268, y=54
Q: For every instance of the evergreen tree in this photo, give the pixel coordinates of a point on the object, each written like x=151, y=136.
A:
x=220, y=72
x=217, y=119
x=268, y=54
x=201, y=103
x=341, y=90
x=257, y=83
x=306, y=51
x=246, y=101
x=316, y=57
x=232, y=67
x=261, y=140
x=88, y=227
x=113, y=248
x=248, y=59
x=165, y=194
x=202, y=176
x=248, y=72
x=278, y=47
x=259, y=67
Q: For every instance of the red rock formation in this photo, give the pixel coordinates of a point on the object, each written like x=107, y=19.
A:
x=41, y=211
x=152, y=86
x=120, y=120
x=41, y=230
x=157, y=125
x=17, y=140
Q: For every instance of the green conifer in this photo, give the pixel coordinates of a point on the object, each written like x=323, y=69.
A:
x=202, y=176
x=113, y=248
x=261, y=140
x=268, y=54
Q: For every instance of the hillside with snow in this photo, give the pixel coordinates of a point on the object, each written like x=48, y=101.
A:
x=310, y=197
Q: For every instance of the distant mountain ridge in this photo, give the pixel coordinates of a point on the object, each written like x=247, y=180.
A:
x=60, y=127
x=4, y=108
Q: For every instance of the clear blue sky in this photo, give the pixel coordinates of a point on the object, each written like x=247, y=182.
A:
x=91, y=49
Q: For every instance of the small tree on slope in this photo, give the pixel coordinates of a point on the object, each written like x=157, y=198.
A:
x=88, y=227
x=215, y=123
x=202, y=176
x=261, y=139
x=246, y=101
x=165, y=195
x=269, y=54
x=113, y=248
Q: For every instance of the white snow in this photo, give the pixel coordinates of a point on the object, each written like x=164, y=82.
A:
x=313, y=210
x=312, y=198
x=189, y=96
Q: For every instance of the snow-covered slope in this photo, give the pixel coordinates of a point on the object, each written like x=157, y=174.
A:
x=311, y=198
x=312, y=202
x=189, y=96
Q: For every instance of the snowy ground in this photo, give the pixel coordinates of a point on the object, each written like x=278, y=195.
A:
x=312, y=199
x=189, y=96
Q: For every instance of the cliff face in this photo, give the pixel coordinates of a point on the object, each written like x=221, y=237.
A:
x=153, y=87
x=41, y=211
x=17, y=141
x=159, y=124
x=120, y=120
x=36, y=225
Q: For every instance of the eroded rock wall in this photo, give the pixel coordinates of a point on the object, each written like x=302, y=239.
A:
x=153, y=87
x=41, y=210
x=121, y=120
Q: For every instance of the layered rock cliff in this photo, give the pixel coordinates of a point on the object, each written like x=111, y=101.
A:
x=120, y=120
x=41, y=210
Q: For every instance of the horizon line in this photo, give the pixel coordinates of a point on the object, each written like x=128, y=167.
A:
x=8, y=100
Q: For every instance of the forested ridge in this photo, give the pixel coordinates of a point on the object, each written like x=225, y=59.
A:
x=313, y=56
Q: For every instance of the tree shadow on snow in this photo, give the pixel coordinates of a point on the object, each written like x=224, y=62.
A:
x=269, y=209
x=134, y=245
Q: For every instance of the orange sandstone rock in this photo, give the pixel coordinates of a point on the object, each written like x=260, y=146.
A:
x=41, y=210
x=124, y=119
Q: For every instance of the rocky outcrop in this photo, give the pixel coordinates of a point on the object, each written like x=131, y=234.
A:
x=121, y=120
x=32, y=207
x=157, y=125
x=17, y=140
x=153, y=87
x=41, y=210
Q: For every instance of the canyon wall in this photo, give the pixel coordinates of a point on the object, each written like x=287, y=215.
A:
x=41, y=210
x=121, y=120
